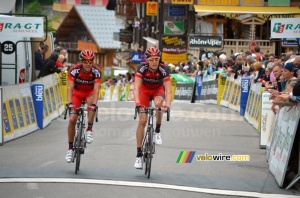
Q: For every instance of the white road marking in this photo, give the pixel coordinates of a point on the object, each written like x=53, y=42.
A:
x=145, y=185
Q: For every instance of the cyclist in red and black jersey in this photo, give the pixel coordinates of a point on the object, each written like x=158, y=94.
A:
x=152, y=80
x=83, y=84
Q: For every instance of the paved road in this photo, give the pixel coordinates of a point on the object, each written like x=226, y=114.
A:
x=34, y=165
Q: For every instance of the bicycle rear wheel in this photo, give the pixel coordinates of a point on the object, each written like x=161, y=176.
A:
x=78, y=148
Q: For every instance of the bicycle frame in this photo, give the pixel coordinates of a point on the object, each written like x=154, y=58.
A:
x=148, y=148
x=79, y=138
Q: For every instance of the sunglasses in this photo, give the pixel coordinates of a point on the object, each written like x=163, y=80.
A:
x=88, y=61
x=153, y=59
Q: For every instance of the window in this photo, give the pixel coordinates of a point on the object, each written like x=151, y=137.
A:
x=85, y=2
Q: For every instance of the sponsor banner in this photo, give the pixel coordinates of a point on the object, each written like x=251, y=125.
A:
x=22, y=26
x=174, y=41
x=252, y=3
x=218, y=2
x=294, y=42
x=283, y=137
x=267, y=120
x=137, y=57
x=182, y=1
x=205, y=41
x=173, y=27
x=184, y=91
x=175, y=50
x=152, y=9
x=173, y=58
x=285, y=28
x=177, y=10
x=38, y=100
x=262, y=16
x=245, y=87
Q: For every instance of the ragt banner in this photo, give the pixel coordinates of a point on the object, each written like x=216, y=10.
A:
x=21, y=26
x=285, y=28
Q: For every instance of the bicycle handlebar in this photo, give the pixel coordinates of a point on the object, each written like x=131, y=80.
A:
x=153, y=108
x=84, y=109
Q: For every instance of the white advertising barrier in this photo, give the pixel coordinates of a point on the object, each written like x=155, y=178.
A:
x=27, y=107
x=267, y=121
x=227, y=91
x=208, y=90
x=56, y=95
x=13, y=118
x=285, y=128
x=252, y=114
x=50, y=107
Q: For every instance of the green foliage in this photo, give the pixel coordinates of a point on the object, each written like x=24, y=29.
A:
x=34, y=8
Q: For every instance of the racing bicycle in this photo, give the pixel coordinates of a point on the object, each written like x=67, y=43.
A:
x=148, y=146
x=79, y=139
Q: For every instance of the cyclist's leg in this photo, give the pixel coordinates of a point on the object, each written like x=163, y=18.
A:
x=90, y=116
x=158, y=101
x=144, y=99
x=71, y=126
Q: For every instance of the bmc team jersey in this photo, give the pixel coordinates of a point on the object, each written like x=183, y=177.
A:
x=84, y=81
x=152, y=80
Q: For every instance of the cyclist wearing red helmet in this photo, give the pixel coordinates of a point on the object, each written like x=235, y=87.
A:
x=83, y=84
x=152, y=79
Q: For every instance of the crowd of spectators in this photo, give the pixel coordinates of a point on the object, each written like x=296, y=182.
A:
x=278, y=74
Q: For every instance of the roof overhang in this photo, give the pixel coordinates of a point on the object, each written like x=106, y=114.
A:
x=247, y=9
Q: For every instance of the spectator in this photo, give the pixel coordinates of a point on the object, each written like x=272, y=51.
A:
x=257, y=67
x=288, y=75
x=297, y=62
x=39, y=58
x=258, y=53
x=49, y=66
x=59, y=63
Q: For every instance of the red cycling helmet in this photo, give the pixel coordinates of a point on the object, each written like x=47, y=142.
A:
x=152, y=51
x=86, y=55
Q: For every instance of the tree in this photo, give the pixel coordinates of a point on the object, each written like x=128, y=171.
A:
x=34, y=8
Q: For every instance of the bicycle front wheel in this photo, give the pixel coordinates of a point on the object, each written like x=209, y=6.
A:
x=78, y=148
x=149, y=152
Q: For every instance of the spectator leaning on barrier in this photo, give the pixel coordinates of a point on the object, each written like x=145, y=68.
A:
x=291, y=81
x=39, y=58
x=257, y=67
x=293, y=96
x=49, y=66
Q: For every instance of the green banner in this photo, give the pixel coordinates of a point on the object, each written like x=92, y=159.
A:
x=182, y=78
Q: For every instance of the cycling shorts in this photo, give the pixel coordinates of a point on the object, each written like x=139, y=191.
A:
x=146, y=93
x=78, y=96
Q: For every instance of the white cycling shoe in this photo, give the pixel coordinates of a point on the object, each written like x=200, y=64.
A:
x=157, y=138
x=89, y=137
x=138, y=163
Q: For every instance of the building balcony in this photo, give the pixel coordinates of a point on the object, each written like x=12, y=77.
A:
x=62, y=7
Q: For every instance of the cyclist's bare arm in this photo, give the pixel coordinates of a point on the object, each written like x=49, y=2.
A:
x=96, y=93
x=70, y=90
x=137, y=85
x=168, y=88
